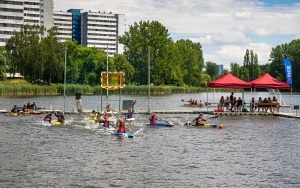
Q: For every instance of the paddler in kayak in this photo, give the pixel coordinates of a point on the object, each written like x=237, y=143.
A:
x=105, y=122
x=15, y=109
x=153, y=118
x=60, y=117
x=199, y=120
x=121, y=126
x=129, y=113
x=48, y=117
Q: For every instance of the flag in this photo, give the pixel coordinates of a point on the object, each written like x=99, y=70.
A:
x=288, y=70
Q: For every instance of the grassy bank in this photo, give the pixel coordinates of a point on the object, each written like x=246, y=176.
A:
x=9, y=88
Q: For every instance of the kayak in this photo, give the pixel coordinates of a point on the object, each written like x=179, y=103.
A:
x=31, y=112
x=123, y=135
x=160, y=124
x=46, y=123
x=130, y=119
x=14, y=114
x=219, y=126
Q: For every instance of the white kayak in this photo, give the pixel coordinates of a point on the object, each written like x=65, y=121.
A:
x=130, y=119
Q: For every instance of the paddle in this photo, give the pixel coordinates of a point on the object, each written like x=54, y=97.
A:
x=160, y=119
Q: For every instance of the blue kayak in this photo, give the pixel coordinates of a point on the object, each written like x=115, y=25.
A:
x=160, y=124
x=123, y=135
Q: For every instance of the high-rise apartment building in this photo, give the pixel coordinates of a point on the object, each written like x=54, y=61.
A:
x=101, y=30
x=76, y=25
x=63, y=22
x=92, y=29
x=15, y=13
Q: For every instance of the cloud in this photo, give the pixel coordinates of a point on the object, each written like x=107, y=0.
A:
x=224, y=28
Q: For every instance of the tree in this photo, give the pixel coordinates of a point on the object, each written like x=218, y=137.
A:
x=53, y=57
x=141, y=37
x=251, y=64
x=212, y=69
x=24, y=51
x=2, y=64
x=122, y=64
x=235, y=69
x=192, y=62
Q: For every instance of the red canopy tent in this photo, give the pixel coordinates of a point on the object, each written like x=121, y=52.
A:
x=229, y=81
x=269, y=82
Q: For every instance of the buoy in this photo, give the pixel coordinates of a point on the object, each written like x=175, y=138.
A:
x=220, y=126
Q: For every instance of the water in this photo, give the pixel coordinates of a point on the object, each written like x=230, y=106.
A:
x=251, y=151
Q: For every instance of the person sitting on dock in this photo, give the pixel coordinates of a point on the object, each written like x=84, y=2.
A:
x=153, y=118
x=226, y=102
x=199, y=120
x=105, y=122
x=60, y=117
x=122, y=128
x=221, y=103
x=15, y=109
x=259, y=101
x=191, y=101
x=252, y=105
x=275, y=108
x=201, y=104
x=239, y=104
x=48, y=117
x=129, y=113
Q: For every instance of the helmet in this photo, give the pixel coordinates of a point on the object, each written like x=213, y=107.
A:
x=200, y=114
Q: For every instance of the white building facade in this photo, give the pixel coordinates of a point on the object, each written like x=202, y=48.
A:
x=63, y=21
x=15, y=13
x=101, y=30
x=91, y=29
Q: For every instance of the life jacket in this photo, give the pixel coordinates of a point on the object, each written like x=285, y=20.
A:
x=199, y=121
x=152, y=120
x=129, y=115
x=106, y=123
x=121, y=128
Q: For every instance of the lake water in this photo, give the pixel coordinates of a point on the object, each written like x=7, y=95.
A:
x=251, y=151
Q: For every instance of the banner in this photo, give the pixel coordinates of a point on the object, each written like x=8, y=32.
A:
x=288, y=70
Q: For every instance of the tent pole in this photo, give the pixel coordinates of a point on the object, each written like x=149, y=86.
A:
x=207, y=99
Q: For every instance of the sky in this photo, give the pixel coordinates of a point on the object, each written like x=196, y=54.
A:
x=225, y=28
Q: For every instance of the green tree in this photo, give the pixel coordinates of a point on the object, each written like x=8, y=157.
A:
x=24, y=51
x=122, y=64
x=141, y=37
x=212, y=69
x=235, y=69
x=192, y=61
x=2, y=63
x=53, y=57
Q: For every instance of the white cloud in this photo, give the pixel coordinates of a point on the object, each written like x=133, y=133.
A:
x=222, y=27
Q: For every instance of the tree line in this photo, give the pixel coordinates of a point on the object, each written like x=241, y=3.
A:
x=40, y=57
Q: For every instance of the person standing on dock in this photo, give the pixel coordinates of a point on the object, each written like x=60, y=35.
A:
x=231, y=102
x=78, y=100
